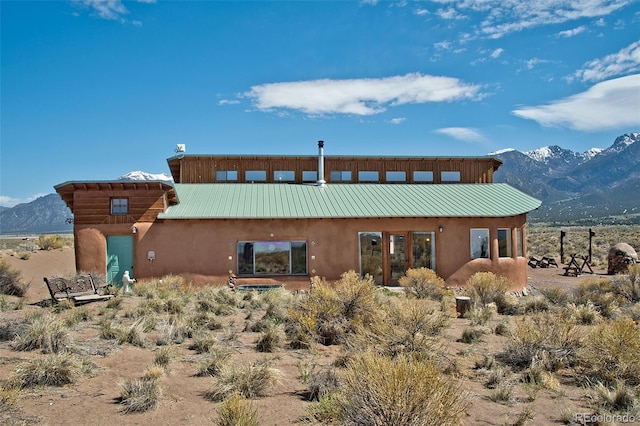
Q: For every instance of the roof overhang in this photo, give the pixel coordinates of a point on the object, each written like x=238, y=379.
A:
x=67, y=189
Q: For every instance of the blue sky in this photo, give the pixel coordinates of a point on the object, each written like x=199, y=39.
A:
x=91, y=90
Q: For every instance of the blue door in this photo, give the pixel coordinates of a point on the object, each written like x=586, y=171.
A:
x=119, y=258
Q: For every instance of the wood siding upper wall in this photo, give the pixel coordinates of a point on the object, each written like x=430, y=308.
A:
x=202, y=169
x=94, y=206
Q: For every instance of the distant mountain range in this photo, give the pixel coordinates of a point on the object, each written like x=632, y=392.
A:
x=49, y=214
x=599, y=186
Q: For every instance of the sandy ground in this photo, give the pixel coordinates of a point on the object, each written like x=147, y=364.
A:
x=94, y=400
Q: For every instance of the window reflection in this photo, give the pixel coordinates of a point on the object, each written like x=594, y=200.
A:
x=371, y=255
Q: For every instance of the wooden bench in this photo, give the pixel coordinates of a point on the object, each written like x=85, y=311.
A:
x=543, y=262
x=79, y=289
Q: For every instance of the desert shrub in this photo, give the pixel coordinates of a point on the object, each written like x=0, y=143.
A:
x=417, y=317
x=251, y=380
x=472, y=335
x=423, y=283
x=8, y=398
x=619, y=398
x=601, y=293
x=11, y=281
x=216, y=359
x=487, y=362
x=502, y=328
x=235, y=410
x=46, y=333
x=50, y=242
x=480, y=315
x=503, y=393
x=325, y=410
x=537, y=376
x=555, y=295
x=547, y=338
x=271, y=339
x=51, y=370
x=487, y=287
x=586, y=314
x=139, y=395
x=535, y=304
x=496, y=377
x=322, y=383
x=628, y=286
x=331, y=315
x=377, y=390
x=612, y=352
x=25, y=255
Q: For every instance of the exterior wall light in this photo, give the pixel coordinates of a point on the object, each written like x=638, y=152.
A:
x=440, y=228
x=134, y=230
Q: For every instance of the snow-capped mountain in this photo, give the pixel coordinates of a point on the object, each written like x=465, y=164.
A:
x=140, y=175
x=596, y=183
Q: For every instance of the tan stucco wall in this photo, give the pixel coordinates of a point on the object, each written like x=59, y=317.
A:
x=207, y=248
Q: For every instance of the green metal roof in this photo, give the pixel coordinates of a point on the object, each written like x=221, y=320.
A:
x=289, y=201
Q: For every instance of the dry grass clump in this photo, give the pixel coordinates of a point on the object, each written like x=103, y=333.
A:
x=487, y=287
x=557, y=296
x=251, y=380
x=601, y=293
x=51, y=370
x=202, y=342
x=235, y=410
x=216, y=359
x=618, y=398
x=44, y=332
x=586, y=314
x=270, y=339
x=423, y=283
x=411, y=326
x=330, y=316
x=52, y=242
x=139, y=395
x=133, y=334
x=11, y=281
x=612, y=352
x=628, y=286
x=547, y=338
x=377, y=390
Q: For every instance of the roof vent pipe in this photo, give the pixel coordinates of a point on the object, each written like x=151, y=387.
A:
x=321, y=181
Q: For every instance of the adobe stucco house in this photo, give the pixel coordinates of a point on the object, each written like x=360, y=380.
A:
x=288, y=218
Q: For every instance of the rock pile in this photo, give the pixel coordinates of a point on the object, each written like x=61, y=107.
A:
x=620, y=257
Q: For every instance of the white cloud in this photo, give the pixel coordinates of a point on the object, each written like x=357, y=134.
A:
x=449, y=13
x=110, y=9
x=11, y=202
x=573, y=32
x=360, y=96
x=228, y=102
x=466, y=134
x=625, y=61
x=507, y=16
x=421, y=12
x=106, y=9
x=496, y=53
x=611, y=104
x=397, y=120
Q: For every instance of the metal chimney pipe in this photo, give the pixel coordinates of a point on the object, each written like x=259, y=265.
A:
x=321, y=182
